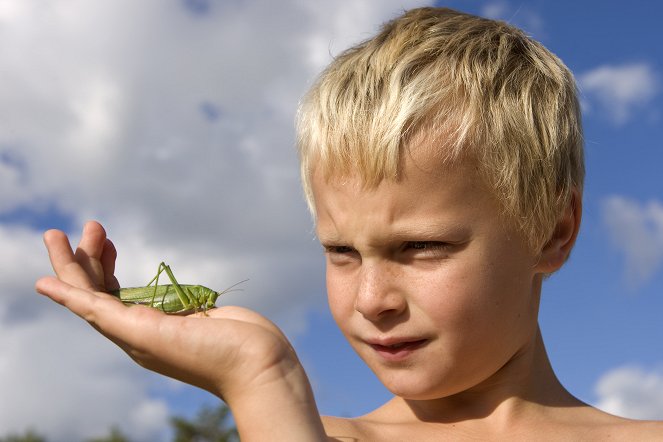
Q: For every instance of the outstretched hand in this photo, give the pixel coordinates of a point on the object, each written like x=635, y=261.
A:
x=232, y=352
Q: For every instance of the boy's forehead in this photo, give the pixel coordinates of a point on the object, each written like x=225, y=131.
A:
x=433, y=154
x=431, y=199
x=423, y=171
x=423, y=152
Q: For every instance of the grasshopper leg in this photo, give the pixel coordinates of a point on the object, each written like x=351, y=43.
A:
x=155, y=280
x=187, y=299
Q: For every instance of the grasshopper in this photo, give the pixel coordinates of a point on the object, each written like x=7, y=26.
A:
x=173, y=298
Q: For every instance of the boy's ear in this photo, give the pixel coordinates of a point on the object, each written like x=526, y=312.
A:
x=556, y=251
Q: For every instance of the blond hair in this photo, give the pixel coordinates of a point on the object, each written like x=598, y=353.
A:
x=480, y=88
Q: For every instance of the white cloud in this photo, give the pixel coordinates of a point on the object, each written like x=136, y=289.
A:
x=495, y=10
x=109, y=125
x=637, y=231
x=11, y=178
x=619, y=91
x=65, y=381
x=631, y=392
x=58, y=375
x=102, y=115
x=523, y=16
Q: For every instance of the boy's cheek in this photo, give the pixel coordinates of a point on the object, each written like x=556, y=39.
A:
x=339, y=294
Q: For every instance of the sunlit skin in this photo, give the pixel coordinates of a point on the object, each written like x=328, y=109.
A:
x=439, y=295
x=424, y=260
x=232, y=352
x=433, y=289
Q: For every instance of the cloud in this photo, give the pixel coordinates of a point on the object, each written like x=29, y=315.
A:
x=82, y=388
x=636, y=230
x=619, y=91
x=522, y=16
x=176, y=133
x=631, y=392
x=495, y=10
x=57, y=374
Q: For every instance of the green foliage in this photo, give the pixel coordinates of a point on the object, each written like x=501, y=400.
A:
x=28, y=436
x=115, y=436
x=211, y=424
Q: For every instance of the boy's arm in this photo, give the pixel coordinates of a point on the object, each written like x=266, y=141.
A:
x=233, y=353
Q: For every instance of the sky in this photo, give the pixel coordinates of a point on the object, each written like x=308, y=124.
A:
x=171, y=122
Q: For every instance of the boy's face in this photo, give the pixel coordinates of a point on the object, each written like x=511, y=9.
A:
x=431, y=288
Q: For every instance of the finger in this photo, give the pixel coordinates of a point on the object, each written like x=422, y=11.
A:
x=108, y=257
x=104, y=312
x=79, y=301
x=63, y=261
x=89, y=251
x=93, y=240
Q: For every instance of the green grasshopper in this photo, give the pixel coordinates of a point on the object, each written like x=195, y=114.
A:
x=173, y=298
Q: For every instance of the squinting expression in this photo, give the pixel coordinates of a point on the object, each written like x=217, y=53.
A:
x=431, y=288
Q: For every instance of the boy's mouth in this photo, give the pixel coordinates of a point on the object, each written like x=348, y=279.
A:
x=398, y=350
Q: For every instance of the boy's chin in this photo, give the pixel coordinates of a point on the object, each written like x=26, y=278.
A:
x=406, y=386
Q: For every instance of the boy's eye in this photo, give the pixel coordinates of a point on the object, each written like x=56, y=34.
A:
x=428, y=248
x=339, y=255
x=338, y=249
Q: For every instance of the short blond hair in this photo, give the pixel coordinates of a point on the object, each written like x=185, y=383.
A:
x=481, y=88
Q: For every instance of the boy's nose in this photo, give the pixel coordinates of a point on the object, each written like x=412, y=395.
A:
x=378, y=296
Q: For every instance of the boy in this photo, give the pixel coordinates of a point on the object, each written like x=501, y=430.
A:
x=442, y=161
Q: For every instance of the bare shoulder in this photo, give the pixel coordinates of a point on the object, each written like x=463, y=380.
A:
x=639, y=430
x=588, y=424
x=343, y=429
x=611, y=427
x=376, y=425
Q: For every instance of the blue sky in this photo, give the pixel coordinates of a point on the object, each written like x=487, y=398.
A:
x=171, y=122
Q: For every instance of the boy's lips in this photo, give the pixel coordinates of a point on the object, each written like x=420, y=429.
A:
x=396, y=349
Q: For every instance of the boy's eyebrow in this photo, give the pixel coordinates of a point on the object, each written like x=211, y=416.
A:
x=432, y=231
x=329, y=239
x=423, y=232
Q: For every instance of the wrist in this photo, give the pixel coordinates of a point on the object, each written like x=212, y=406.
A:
x=278, y=406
